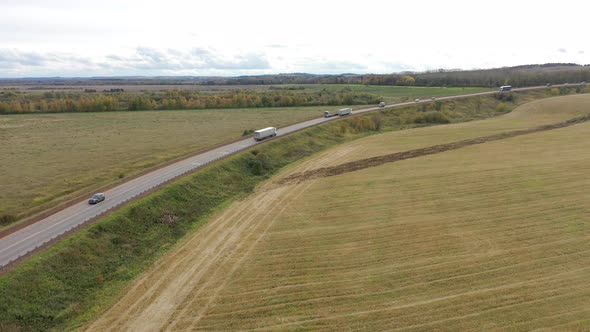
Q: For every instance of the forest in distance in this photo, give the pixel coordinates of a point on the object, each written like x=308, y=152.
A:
x=525, y=75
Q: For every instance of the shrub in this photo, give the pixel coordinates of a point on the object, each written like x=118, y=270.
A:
x=7, y=219
x=502, y=108
x=431, y=117
x=504, y=96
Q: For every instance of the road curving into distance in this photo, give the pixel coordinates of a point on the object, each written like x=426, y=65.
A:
x=24, y=241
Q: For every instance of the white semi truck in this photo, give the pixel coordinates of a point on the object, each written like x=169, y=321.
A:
x=261, y=134
x=344, y=111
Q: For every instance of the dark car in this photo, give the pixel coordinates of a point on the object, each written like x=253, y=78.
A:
x=96, y=198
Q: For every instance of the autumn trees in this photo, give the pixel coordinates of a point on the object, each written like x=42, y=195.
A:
x=175, y=99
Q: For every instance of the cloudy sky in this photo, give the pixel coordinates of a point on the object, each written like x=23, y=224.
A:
x=244, y=37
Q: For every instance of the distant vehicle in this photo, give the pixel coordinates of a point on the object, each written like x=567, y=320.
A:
x=416, y=100
x=548, y=84
x=344, y=111
x=433, y=98
x=583, y=83
x=566, y=83
x=329, y=115
x=261, y=134
x=505, y=88
x=96, y=198
x=382, y=104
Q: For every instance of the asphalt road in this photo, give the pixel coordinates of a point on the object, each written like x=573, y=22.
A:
x=32, y=237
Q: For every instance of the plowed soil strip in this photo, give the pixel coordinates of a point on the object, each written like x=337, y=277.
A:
x=398, y=156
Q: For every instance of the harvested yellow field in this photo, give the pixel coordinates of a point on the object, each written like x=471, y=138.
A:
x=530, y=115
x=493, y=236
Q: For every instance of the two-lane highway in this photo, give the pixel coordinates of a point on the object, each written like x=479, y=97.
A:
x=26, y=240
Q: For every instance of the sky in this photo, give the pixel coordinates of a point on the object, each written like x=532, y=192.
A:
x=79, y=38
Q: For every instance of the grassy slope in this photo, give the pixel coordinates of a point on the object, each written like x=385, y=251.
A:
x=488, y=237
x=67, y=284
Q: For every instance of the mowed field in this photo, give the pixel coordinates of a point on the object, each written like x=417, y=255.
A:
x=48, y=158
x=492, y=236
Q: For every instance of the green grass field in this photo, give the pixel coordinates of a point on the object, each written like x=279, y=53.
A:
x=489, y=237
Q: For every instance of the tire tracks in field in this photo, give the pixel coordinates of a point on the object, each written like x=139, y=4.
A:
x=396, y=305
x=399, y=156
x=225, y=278
x=152, y=284
x=191, y=312
x=163, y=296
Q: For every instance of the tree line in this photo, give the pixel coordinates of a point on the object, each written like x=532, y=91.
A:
x=15, y=102
x=526, y=75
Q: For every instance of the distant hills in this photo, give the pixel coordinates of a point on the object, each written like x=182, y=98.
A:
x=523, y=75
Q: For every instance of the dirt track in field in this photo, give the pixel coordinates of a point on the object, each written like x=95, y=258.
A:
x=390, y=158
x=177, y=292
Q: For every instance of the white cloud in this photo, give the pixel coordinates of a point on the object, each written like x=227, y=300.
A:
x=145, y=60
x=231, y=37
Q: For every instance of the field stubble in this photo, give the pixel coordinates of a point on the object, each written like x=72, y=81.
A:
x=487, y=237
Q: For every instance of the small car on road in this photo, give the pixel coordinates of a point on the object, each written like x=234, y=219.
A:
x=96, y=198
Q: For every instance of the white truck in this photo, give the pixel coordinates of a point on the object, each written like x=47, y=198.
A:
x=344, y=111
x=382, y=104
x=261, y=134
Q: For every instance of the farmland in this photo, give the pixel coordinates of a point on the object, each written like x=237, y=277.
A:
x=491, y=236
x=390, y=93
x=48, y=158
x=89, y=269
